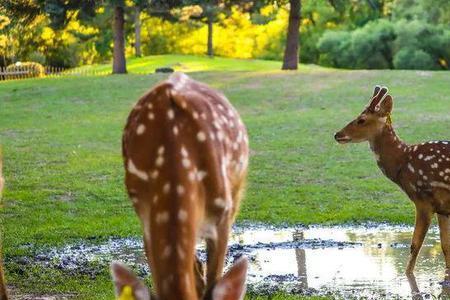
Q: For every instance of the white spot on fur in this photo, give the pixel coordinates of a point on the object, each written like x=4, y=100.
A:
x=140, y=129
x=440, y=185
x=201, y=175
x=182, y=215
x=222, y=203
x=201, y=136
x=180, y=190
x=186, y=163
x=170, y=114
x=162, y=217
x=133, y=170
x=159, y=161
x=154, y=174
x=161, y=150
x=166, y=188
x=184, y=152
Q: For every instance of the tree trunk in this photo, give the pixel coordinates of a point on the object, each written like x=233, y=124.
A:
x=137, y=32
x=291, y=52
x=119, y=62
x=210, y=51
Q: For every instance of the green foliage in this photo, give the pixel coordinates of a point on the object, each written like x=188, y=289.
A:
x=33, y=69
x=411, y=58
x=384, y=44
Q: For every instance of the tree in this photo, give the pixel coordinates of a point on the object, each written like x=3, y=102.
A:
x=292, y=47
x=209, y=10
x=119, y=60
x=291, y=52
x=139, y=5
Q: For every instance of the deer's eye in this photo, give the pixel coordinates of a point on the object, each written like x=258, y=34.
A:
x=361, y=121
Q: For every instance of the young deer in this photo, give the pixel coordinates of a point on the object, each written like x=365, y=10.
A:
x=185, y=152
x=3, y=291
x=422, y=171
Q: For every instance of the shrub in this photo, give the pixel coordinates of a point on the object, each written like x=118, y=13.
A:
x=335, y=47
x=384, y=44
x=33, y=69
x=410, y=58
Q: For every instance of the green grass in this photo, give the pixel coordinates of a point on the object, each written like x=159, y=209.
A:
x=190, y=63
x=63, y=167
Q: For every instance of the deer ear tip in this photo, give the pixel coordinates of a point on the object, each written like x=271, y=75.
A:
x=117, y=267
x=242, y=261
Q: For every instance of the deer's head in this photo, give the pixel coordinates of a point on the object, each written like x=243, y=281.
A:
x=230, y=287
x=371, y=121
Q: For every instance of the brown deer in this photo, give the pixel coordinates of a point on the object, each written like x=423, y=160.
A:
x=3, y=291
x=422, y=171
x=185, y=153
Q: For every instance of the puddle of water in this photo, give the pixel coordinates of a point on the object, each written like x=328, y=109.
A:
x=358, y=262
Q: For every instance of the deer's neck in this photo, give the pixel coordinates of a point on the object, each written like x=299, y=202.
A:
x=390, y=152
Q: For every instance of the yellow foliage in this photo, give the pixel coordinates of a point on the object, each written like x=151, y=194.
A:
x=3, y=41
x=330, y=25
x=48, y=35
x=267, y=10
x=233, y=36
x=4, y=21
x=306, y=22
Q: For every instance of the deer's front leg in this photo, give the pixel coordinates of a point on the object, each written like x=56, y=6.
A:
x=444, y=229
x=199, y=271
x=423, y=221
x=216, y=249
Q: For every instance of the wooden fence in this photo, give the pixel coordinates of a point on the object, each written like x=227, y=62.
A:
x=22, y=72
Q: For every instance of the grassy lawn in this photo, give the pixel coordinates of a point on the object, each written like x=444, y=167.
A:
x=63, y=167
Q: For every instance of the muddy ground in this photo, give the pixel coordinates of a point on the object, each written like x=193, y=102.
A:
x=360, y=262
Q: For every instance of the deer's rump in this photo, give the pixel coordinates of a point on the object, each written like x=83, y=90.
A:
x=185, y=153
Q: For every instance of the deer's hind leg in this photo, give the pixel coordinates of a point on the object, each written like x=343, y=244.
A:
x=444, y=229
x=216, y=248
x=442, y=203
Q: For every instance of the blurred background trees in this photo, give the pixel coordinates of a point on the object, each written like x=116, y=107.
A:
x=372, y=34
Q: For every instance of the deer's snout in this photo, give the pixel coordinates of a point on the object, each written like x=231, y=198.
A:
x=341, y=137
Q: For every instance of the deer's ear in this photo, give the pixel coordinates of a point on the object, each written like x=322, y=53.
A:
x=232, y=285
x=384, y=107
x=378, y=94
x=127, y=285
x=376, y=90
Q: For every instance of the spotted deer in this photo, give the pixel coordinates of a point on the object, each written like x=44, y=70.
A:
x=185, y=153
x=422, y=171
x=3, y=291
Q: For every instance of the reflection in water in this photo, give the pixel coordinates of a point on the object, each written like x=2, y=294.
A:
x=374, y=270
x=300, y=256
